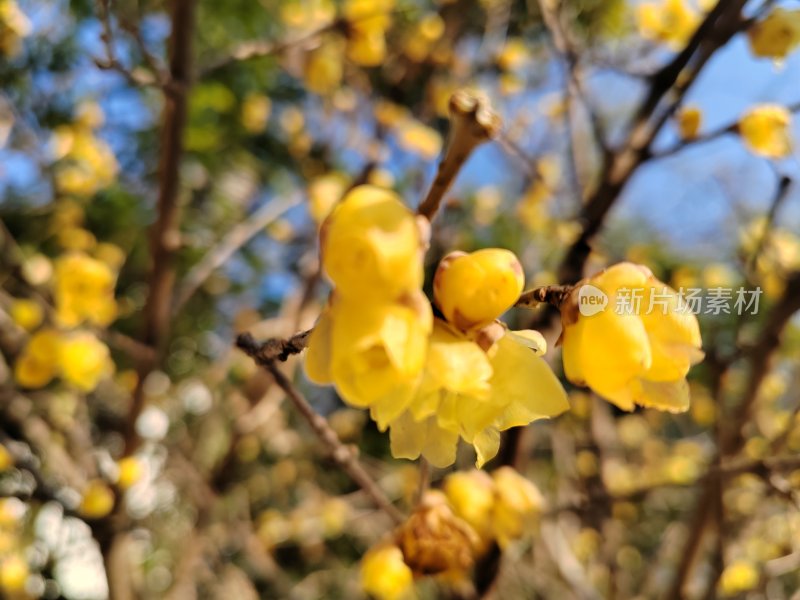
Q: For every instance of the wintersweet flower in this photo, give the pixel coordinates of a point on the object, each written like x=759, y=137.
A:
x=26, y=313
x=434, y=541
x=689, y=119
x=500, y=507
x=84, y=290
x=368, y=21
x=475, y=289
x=84, y=360
x=777, y=35
x=372, y=353
x=97, y=500
x=14, y=26
x=38, y=362
x=671, y=21
x=766, y=130
x=385, y=575
x=631, y=356
x=474, y=394
x=518, y=504
x=371, y=246
x=472, y=496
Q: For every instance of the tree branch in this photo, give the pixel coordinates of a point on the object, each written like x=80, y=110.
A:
x=343, y=455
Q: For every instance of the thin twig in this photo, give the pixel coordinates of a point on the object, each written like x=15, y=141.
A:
x=228, y=246
x=472, y=122
x=343, y=455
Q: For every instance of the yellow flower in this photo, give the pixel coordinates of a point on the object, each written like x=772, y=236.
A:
x=739, y=576
x=28, y=314
x=13, y=574
x=325, y=66
x=474, y=289
x=323, y=194
x=84, y=290
x=461, y=395
x=517, y=505
x=419, y=138
x=256, y=109
x=368, y=21
x=638, y=358
x=130, y=472
x=689, y=120
x=385, y=575
x=434, y=541
x=472, y=496
x=372, y=353
x=39, y=361
x=777, y=35
x=84, y=360
x=766, y=130
x=14, y=26
x=97, y=501
x=371, y=246
x=6, y=460
x=670, y=21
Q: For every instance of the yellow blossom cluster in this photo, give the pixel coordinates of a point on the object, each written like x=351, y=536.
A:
x=83, y=291
x=79, y=358
x=450, y=529
x=630, y=352
x=86, y=164
x=14, y=570
x=431, y=381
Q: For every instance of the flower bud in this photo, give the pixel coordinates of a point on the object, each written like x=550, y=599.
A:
x=474, y=289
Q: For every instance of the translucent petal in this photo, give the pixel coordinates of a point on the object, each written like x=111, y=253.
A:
x=487, y=444
x=318, y=353
x=670, y=396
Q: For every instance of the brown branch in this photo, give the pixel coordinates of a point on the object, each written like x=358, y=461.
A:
x=781, y=193
x=344, y=456
x=165, y=235
x=472, y=122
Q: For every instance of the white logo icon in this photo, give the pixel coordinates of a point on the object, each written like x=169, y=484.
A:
x=591, y=300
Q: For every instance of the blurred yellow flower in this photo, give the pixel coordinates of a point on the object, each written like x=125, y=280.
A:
x=307, y=14
x=475, y=289
x=419, y=139
x=323, y=194
x=84, y=290
x=514, y=55
x=86, y=163
x=256, y=109
x=368, y=21
x=131, y=470
x=766, y=130
x=13, y=574
x=518, y=504
x=38, y=362
x=324, y=66
x=371, y=246
x=97, y=500
x=26, y=313
x=385, y=575
x=472, y=496
x=6, y=460
x=630, y=357
x=776, y=35
x=689, y=119
x=739, y=576
x=14, y=26
x=669, y=21
x=84, y=360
